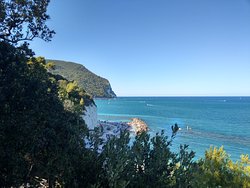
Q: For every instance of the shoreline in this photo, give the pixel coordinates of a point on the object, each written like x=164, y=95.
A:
x=113, y=128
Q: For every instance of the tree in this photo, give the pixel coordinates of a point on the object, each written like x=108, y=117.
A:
x=37, y=136
x=24, y=20
x=145, y=162
x=218, y=170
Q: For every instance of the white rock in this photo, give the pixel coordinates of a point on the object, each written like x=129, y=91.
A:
x=90, y=116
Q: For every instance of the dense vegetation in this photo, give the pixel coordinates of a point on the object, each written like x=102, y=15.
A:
x=93, y=84
x=36, y=133
x=44, y=141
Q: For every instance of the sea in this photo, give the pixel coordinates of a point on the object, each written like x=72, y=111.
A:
x=203, y=121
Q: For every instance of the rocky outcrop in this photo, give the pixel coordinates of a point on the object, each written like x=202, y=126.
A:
x=109, y=92
x=90, y=116
x=138, y=125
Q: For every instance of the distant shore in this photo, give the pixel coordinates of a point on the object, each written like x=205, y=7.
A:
x=111, y=128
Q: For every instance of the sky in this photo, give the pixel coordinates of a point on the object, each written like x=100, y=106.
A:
x=156, y=47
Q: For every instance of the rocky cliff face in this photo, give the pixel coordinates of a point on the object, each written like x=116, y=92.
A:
x=93, y=84
x=90, y=116
x=109, y=92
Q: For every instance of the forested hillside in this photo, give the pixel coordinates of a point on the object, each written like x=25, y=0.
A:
x=90, y=82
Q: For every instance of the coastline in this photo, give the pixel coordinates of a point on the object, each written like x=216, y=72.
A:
x=136, y=125
x=211, y=120
x=113, y=128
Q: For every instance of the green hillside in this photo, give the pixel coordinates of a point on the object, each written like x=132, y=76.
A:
x=90, y=82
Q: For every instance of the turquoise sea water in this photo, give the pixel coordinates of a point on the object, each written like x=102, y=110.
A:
x=213, y=120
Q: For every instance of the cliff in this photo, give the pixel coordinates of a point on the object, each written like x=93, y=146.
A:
x=90, y=116
x=93, y=84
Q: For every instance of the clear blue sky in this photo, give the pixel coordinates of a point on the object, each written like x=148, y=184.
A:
x=156, y=47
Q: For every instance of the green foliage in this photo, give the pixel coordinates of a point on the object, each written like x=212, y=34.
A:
x=185, y=168
x=155, y=165
x=95, y=85
x=36, y=133
x=218, y=170
x=22, y=20
x=150, y=163
x=144, y=163
x=117, y=163
x=74, y=98
x=50, y=66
